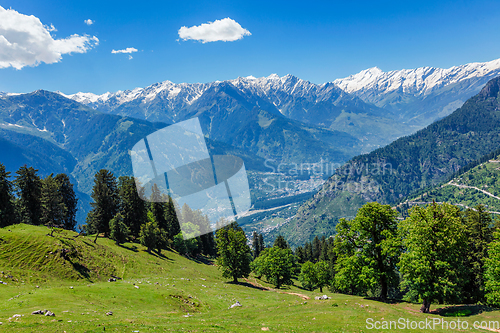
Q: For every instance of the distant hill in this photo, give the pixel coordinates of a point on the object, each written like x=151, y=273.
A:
x=476, y=183
x=391, y=173
x=55, y=134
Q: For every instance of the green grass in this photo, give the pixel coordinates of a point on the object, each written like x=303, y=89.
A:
x=170, y=287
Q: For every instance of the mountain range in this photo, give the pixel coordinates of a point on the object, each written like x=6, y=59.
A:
x=390, y=174
x=265, y=121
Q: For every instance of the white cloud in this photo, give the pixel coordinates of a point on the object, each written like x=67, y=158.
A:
x=88, y=22
x=127, y=50
x=226, y=30
x=25, y=41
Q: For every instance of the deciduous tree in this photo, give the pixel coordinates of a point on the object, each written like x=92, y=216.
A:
x=234, y=255
x=367, y=250
x=432, y=263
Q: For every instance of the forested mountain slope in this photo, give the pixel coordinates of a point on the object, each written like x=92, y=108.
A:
x=391, y=173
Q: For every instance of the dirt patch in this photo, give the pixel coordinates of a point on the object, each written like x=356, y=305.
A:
x=261, y=287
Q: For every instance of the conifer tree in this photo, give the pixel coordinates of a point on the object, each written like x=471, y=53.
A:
x=479, y=234
x=173, y=225
x=262, y=246
x=106, y=203
x=7, y=210
x=280, y=242
x=255, y=244
x=118, y=229
x=158, y=207
x=29, y=189
x=149, y=233
x=299, y=252
x=69, y=199
x=132, y=207
x=52, y=203
x=316, y=249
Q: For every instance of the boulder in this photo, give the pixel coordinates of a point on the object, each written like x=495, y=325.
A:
x=321, y=297
x=235, y=305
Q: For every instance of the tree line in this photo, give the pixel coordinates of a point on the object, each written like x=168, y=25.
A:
x=438, y=254
x=30, y=199
x=119, y=213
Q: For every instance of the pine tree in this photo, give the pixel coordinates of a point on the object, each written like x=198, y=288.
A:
x=52, y=204
x=118, y=229
x=262, y=246
x=280, y=242
x=323, y=256
x=29, y=189
x=105, y=205
x=173, y=225
x=308, y=252
x=316, y=249
x=149, y=233
x=255, y=244
x=7, y=209
x=69, y=199
x=158, y=207
x=479, y=235
x=299, y=252
x=132, y=207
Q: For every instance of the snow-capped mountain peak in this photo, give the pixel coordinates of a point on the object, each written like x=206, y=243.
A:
x=419, y=81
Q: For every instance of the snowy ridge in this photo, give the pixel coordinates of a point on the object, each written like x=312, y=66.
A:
x=168, y=90
x=419, y=81
x=283, y=91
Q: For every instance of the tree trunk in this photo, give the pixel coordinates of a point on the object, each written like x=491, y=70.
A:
x=235, y=279
x=321, y=289
x=384, y=291
x=95, y=239
x=425, y=306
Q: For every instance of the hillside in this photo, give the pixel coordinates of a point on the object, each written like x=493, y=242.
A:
x=391, y=173
x=157, y=293
x=469, y=188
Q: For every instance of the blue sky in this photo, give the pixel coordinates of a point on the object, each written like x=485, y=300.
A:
x=316, y=41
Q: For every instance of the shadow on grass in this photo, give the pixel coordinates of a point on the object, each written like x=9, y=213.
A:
x=246, y=284
x=462, y=310
x=84, y=271
x=387, y=301
x=200, y=260
x=131, y=247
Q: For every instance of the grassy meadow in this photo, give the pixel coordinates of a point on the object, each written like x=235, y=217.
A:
x=168, y=292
